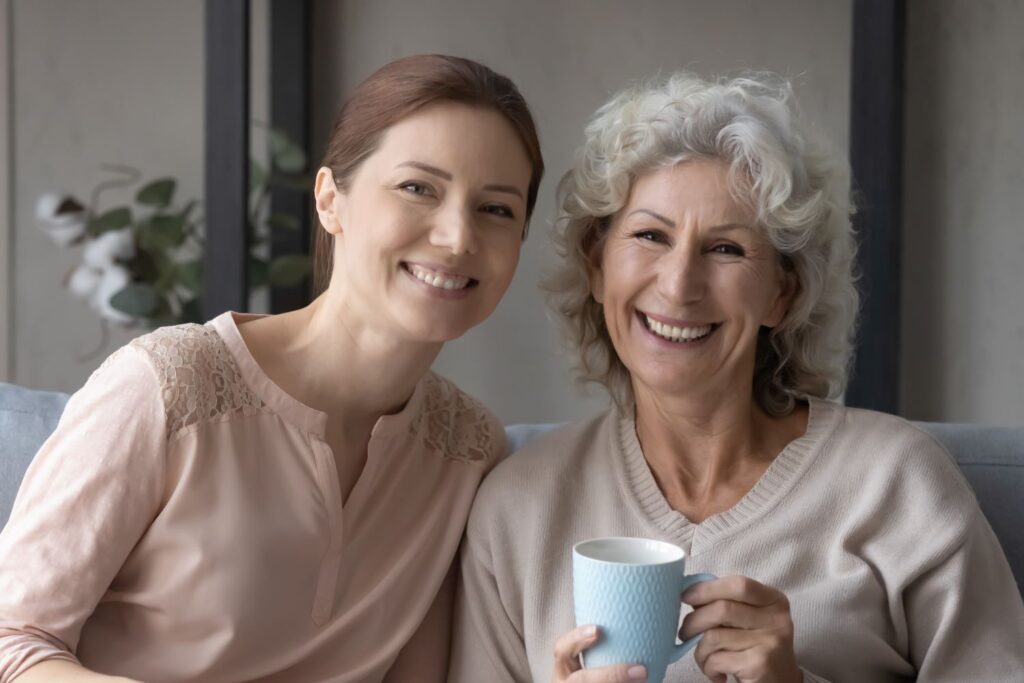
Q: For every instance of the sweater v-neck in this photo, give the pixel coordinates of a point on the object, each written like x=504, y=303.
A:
x=642, y=492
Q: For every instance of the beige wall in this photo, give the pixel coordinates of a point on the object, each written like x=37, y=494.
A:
x=122, y=81
x=95, y=81
x=567, y=57
x=6, y=233
x=963, y=242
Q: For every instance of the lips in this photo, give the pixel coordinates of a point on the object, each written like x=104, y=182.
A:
x=678, y=331
x=440, y=279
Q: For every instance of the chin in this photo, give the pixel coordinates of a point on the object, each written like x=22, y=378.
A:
x=666, y=381
x=434, y=333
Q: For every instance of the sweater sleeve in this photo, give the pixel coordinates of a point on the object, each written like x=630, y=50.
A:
x=86, y=499
x=485, y=643
x=965, y=615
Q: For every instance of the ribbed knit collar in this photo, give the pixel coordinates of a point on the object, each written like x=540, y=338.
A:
x=642, y=492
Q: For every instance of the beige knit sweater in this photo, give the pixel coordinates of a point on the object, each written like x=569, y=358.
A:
x=865, y=523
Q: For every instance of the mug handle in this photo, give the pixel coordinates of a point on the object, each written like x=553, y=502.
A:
x=689, y=644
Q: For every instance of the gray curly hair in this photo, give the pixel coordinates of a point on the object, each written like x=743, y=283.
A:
x=751, y=124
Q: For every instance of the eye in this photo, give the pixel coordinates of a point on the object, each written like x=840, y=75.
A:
x=656, y=236
x=498, y=210
x=417, y=188
x=728, y=249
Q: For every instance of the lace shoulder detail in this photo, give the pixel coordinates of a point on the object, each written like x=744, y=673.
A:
x=457, y=426
x=198, y=377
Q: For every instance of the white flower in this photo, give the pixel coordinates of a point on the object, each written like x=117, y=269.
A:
x=113, y=280
x=84, y=281
x=101, y=252
x=62, y=217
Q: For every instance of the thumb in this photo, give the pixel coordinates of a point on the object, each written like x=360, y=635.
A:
x=619, y=673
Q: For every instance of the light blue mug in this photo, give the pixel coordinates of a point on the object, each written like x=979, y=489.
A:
x=630, y=588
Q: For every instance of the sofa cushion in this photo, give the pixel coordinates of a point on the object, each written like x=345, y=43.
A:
x=992, y=460
x=27, y=417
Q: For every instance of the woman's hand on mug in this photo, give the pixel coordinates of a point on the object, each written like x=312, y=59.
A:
x=748, y=631
x=567, y=661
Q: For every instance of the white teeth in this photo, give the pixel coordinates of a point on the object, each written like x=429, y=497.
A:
x=676, y=334
x=439, y=280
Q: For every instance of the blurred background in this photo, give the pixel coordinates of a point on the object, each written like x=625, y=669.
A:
x=89, y=83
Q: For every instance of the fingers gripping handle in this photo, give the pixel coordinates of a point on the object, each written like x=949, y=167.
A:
x=690, y=643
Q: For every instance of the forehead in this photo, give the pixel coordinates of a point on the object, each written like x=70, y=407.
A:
x=697, y=189
x=456, y=133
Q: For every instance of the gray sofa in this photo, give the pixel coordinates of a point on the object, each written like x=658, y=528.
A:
x=991, y=458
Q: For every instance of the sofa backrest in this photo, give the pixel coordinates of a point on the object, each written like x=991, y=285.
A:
x=991, y=458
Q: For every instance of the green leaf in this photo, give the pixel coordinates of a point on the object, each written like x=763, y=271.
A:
x=115, y=219
x=184, y=213
x=157, y=193
x=190, y=275
x=167, y=273
x=138, y=300
x=285, y=221
x=285, y=153
x=162, y=232
x=259, y=273
x=257, y=175
x=289, y=271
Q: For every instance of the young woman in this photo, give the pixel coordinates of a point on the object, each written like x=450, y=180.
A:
x=280, y=498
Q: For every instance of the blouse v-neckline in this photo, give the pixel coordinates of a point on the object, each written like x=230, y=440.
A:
x=287, y=406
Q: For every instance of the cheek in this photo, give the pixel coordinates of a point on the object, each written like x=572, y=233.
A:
x=505, y=249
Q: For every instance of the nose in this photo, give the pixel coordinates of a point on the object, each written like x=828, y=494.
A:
x=455, y=231
x=682, y=275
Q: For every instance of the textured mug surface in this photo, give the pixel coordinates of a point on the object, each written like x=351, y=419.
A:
x=630, y=588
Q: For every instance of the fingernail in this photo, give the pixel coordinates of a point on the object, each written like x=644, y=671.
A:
x=590, y=631
x=637, y=673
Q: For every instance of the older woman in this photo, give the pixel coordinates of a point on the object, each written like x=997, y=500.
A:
x=707, y=284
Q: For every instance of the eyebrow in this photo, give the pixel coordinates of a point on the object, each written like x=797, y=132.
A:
x=653, y=214
x=725, y=227
x=509, y=189
x=434, y=170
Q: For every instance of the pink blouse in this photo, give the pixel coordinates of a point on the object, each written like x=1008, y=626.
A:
x=184, y=523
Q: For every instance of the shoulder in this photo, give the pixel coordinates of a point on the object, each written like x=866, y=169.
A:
x=892, y=443
x=197, y=377
x=554, y=450
x=905, y=471
x=533, y=477
x=458, y=426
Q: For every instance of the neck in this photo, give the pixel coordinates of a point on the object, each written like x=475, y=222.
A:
x=342, y=365
x=706, y=452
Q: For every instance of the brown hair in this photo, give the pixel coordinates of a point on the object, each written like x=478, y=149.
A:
x=399, y=89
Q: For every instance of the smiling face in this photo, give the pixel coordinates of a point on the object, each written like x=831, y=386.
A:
x=687, y=280
x=428, y=233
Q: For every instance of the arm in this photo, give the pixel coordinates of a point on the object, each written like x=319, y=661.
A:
x=486, y=644
x=964, y=614
x=424, y=659
x=88, y=496
x=55, y=670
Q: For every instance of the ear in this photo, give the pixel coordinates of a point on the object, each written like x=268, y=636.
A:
x=789, y=286
x=595, y=271
x=327, y=196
